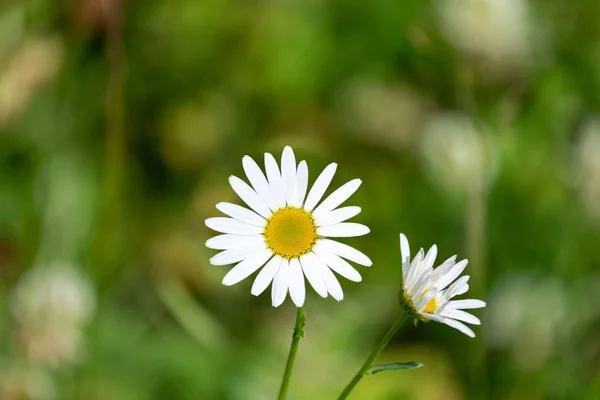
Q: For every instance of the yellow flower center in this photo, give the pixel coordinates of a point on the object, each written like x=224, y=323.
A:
x=290, y=232
x=430, y=307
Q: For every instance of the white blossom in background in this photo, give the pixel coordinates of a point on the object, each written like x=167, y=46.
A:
x=498, y=31
x=35, y=63
x=455, y=152
x=587, y=166
x=389, y=114
x=51, y=306
x=25, y=383
x=514, y=323
x=67, y=197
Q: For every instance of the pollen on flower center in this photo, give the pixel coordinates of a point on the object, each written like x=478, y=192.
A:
x=430, y=307
x=290, y=232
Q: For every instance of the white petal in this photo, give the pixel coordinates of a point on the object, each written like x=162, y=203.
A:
x=405, y=254
x=457, y=288
x=280, y=284
x=460, y=326
x=246, y=267
x=249, y=196
x=333, y=285
x=234, y=255
x=230, y=225
x=430, y=258
x=229, y=241
x=412, y=276
x=242, y=214
x=343, y=229
x=288, y=174
x=424, y=268
x=336, y=198
x=259, y=182
x=419, y=287
x=337, y=264
x=467, y=304
x=275, y=182
x=345, y=251
x=337, y=216
x=301, y=184
x=454, y=273
x=266, y=275
x=312, y=274
x=443, y=268
x=461, y=316
x=297, y=288
x=319, y=187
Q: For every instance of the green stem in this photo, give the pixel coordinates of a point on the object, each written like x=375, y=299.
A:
x=289, y=366
x=475, y=240
x=373, y=356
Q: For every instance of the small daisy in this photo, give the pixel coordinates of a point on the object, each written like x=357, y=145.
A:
x=286, y=231
x=426, y=294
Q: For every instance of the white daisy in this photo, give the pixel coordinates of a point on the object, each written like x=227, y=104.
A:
x=286, y=232
x=425, y=291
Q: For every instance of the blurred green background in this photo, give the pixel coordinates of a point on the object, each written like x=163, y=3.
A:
x=473, y=124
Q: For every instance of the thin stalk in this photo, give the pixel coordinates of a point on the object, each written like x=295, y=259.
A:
x=373, y=356
x=110, y=240
x=475, y=240
x=289, y=366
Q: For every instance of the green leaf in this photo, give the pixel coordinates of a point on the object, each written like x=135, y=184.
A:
x=393, y=367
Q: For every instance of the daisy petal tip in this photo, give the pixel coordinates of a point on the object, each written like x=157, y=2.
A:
x=338, y=297
x=255, y=291
x=404, y=245
x=288, y=149
x=277, y=304
x=299, y=303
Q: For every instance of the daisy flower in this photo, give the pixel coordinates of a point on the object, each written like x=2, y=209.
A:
x=427, y=292
x=285, y=232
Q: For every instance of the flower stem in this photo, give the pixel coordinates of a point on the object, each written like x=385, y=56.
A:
x=289, y=366
x=373, y=356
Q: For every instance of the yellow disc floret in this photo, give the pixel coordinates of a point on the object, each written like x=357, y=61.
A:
x=430, y=307
x=290, y=232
